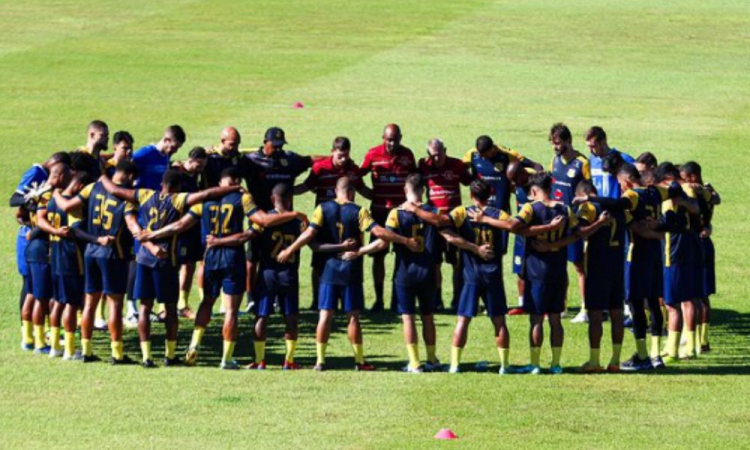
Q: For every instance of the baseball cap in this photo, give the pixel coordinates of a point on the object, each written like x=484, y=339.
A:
x=276, y=136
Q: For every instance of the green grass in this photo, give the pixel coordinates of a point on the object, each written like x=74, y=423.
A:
x=671, y=78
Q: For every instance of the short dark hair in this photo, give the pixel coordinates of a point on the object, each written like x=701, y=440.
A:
x=123, y=136
x=177, y=133
x=480, y=190
x=542, y=180
x=172, y=179
x=127, y=167
x=596, y=133
x=647, y=159
x=629, y=171
x=666, y=170
x=82, y=177
x=691, y=168
x=484, y=143
x=198, y=153
x=80, y=161
x=230, y=172
x=342, y=143
x=281, y=190
x=560, y=131
x=415, y=181
x=612, y=161
x=60, y=157
x=97, y=125
x=585, y=187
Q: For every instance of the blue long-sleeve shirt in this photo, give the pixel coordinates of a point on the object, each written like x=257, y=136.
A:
x=606, y=185
x=152, y=163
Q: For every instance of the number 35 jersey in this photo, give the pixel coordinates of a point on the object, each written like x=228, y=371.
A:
x=224, y=217
x=106, y=217
x=477, y=271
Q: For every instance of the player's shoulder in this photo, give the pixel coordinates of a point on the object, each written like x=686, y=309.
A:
x=581, y=157
x=323, y=164
x=470, y=155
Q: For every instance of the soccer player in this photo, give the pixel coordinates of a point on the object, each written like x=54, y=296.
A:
x=105, y=266
x=568, y=168
x=322, y=180
x=122, y=141
x=335, y=222
x=153, y=160
x=226, y=154
x=389, y=163
x=190, y=245
x=604, y=181
x=646, y=162
x=519, y=176
x=97, y=140
x=444, y=176
x=222, y=229
x=33, y=179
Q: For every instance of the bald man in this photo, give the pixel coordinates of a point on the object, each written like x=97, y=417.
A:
x=389, y=164
x=226, y=154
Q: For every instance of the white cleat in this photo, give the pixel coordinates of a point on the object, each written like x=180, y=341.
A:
x=408, y=369
x=100, y=324
x=229, y=365
x=55, y=353
x=130, y=322
x=581, y=317
x=77, y=356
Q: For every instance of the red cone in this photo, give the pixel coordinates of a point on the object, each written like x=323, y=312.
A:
x=298, y=105
x=446, y=433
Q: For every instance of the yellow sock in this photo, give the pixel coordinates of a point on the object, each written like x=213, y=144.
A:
x=673, y=343
x=260, y=351
x=456, y=357
x=86, y=347
x=170, y=349
x=536, y=355
x=146, y=350
x=197, y=337
x=158, y=308
x=27, y=332
x=594, y=357
x=413, y=351
x=504, y=356
x=54, y=338
x=200, y=294
x=359, y=353
x=616, y=352
x=182, y=302
x=39, y=336
x=704, y=334
x=431, y=355
x=117, y=352
x=640, y=346
x=697, y=338
x=556, y=353
x=228, y=351
x=320, y=349
x=655, y=346
x=291, y=347
x=46, y=324
x=99, y=312
x=70, y=344
x=690, y=344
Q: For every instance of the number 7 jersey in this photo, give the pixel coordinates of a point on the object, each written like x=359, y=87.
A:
x=106, y=217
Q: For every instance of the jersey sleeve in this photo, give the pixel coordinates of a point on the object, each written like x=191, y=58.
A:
x=130, y=208
x=526, y=214
x=503, y=215
x=586, y=168
x=633, y=198
x=572, y=220
x=179, y=201
x=512, y=154
x=301, y=164
x=628, y=218
x=458, y=216
x=366, y=223
x=30, y=176
x=366, y=165
x=196, y=210
x=316, y=220
x=587, y=213
x=44, y=201
x=85, y=193
x=141, y=195
x=392, y=221
x=467, y=157
x=248, y=205
x=311, y=182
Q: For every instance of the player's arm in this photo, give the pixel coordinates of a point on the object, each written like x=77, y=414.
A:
x=346, y=246
x=266, y=220
x=363, y=190
x=67, y=204
x=17, y=200
x=234, y=240
x=715, y=197
x=180, y=226
x=303, y=239
x=612, y=204
x=43, y=224
x=301, y=189
x=135, y=229
x=643, y=231
x=375, y=246
x=79, y=234
x=434, y=219
x=207, y=194
x=485, y=251
x=389, y=236
x=127, y=194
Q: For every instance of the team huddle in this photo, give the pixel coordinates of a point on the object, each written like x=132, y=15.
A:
x=131, y=230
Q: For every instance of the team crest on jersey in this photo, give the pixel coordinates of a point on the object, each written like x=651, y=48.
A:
x=499, y=167
x=558, y=194
x=571, y=173
x=284, y=162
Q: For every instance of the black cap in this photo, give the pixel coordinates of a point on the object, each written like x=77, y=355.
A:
x=276, y=136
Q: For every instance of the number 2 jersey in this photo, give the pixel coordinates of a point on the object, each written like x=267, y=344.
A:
x=271, y=242
x=414, y=268
x=105, y=216
x=605, y=249
x=156, y=210
x=477, y=271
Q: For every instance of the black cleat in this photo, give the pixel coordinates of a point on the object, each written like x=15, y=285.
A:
x=176, y=361
x=121, y=362
x=148, y=364
x=377, y=307
x=90, y=359
x=636, y=364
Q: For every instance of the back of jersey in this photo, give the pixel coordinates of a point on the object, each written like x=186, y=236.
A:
x=547, y=266
x=476, y=270
x=605, y=254
x=66, y=254
x=224, y=217
x=414, y=267
x=106, y=217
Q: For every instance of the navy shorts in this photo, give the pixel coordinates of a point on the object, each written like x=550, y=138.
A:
x=679, y=283
x=644, y=279
x=518, y=250
x=541, y=297
x=575, y=251
x=406, y=298
x=604, y=294
x=709, y=267
x=69, y=289
x=352, y=296
x=190, y=248
x=106, y=275
x=40, y=276
x=492, y=295
x=157, y=283
x=266, y=296
x=231, y=280
x=252, y=253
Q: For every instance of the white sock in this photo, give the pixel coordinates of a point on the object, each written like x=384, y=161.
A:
x=132, y=310
x=520, y=301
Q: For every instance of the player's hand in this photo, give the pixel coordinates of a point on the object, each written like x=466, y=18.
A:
x=410, y=207
x=350, y=244
x=557, y=222
x=159, y=252
x=580, y=199
x=349, y=256
x=143, y=236
x=651, y=224
x=412, y=244
x=284, y=256
x=303, y=217
x=485, y=252
x=105, y=241
x=706, y=233
x=476, y=215
x=62, y=232
x=210, y=240
x=540, y=246
x=605, y=216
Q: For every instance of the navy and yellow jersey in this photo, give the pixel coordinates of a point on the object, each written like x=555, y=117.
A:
x=223, y=217
x=156, y=210
x=37, y=249
x=110, y=167
x=646, y=204
x=547, y=266
x=492, y=170
x=275, y=239
x=414, y=268
x=476, y=270
x=105, y=216
x=680, y=242
x=191, y=183
x=217, y=162
x=66, y=254
x=605, y=249
x=89, y=163
x=336, y=222
x=566, y=175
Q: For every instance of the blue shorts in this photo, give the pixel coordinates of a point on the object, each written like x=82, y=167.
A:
x=644, y=279
x=709, y=267
x=352, y=296
x=252, y=253
x=518, y=250
x=265, y=296
x=575, y=251
x=604, y=294
x=157, y=283
x=679, y=285
x=406, y=298
x=492, y=295
x=190, y=248
x=541, y=297
x=40, y=276
x=69, y=289
x=26, y=288
x=232, y=280
x=106, y=275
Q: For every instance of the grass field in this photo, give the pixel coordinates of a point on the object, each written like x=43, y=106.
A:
x=669, y=77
